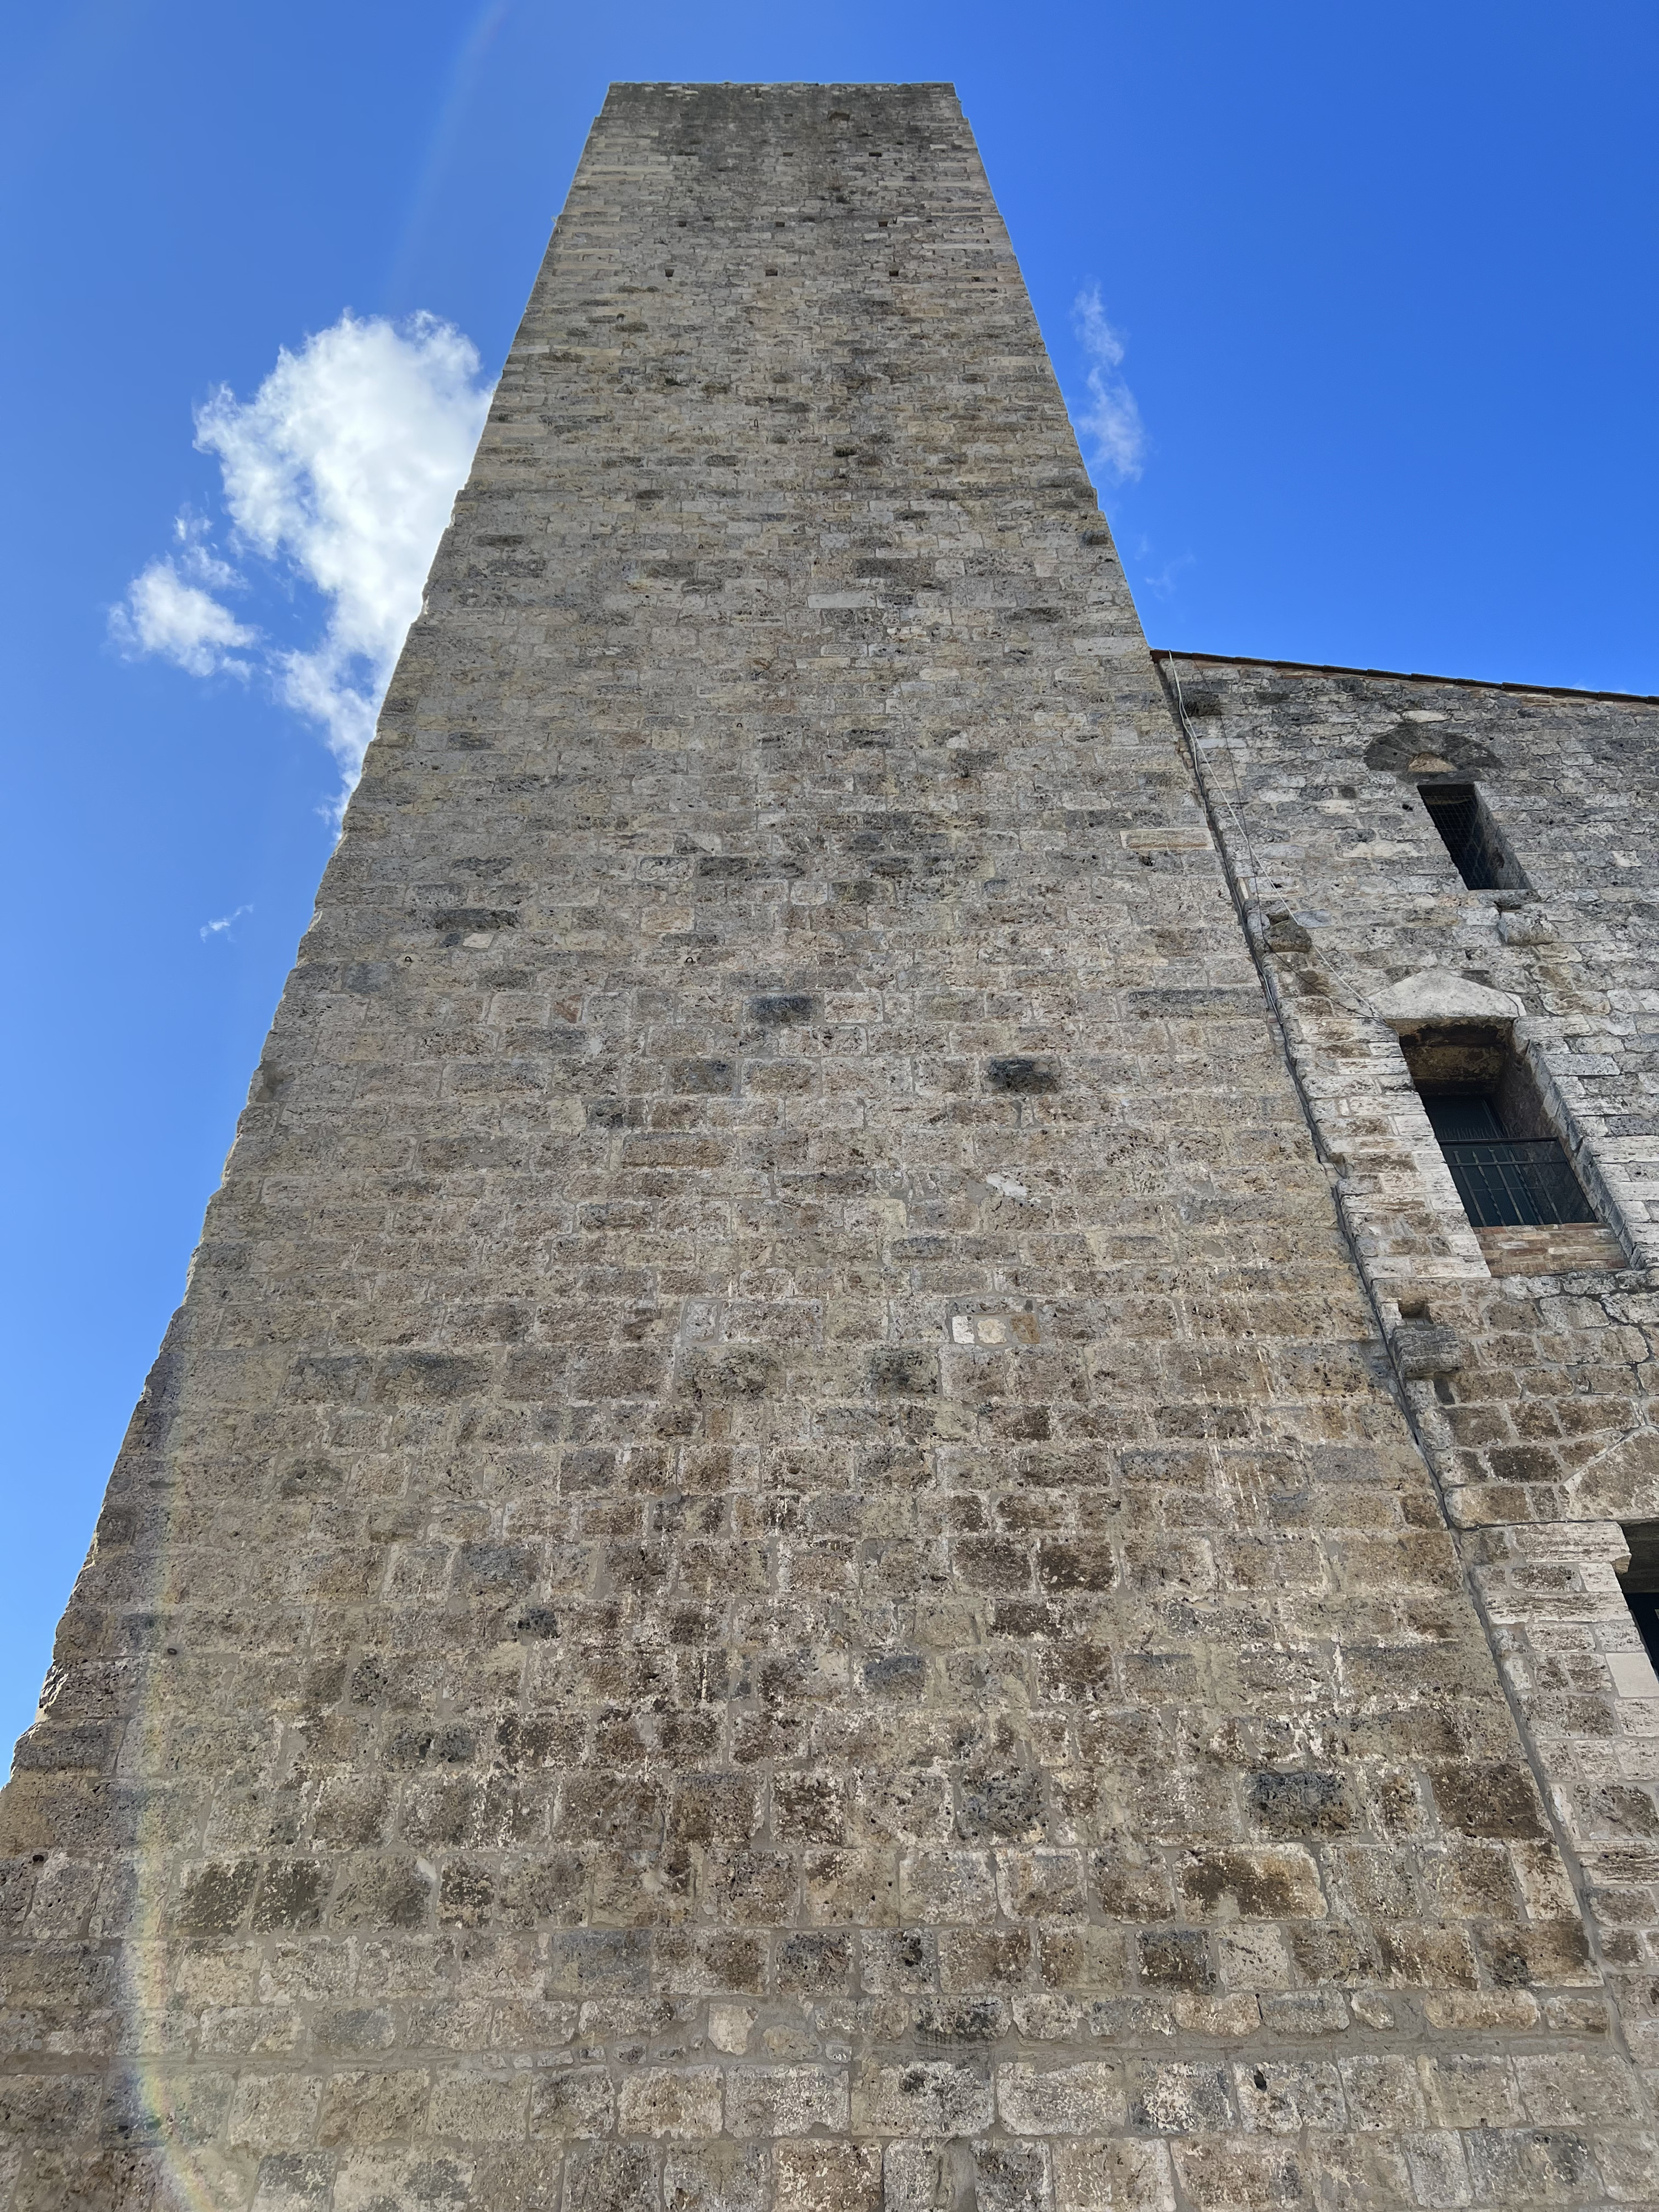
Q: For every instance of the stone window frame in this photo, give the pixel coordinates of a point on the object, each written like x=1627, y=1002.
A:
x=1444, y=1000
x=1531, y=1038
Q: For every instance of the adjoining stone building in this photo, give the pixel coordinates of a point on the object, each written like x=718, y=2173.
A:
x=844, y=1515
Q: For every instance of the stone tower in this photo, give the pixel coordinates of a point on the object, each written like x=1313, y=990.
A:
x=803, y=1544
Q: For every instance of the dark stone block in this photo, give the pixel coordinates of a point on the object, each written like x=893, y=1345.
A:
x=783, y=1010
x=1022, y=1075
x=1425, y=1349
x=216, y=1897
x=1176, y=1958
x=1482, y=1798
x=900, y=1675
x=714, y=1077
x=468, y=920
x=1304, y=1801
x=901, y=1372
x=292, y=1895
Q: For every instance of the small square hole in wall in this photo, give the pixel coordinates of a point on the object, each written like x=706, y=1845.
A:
x=1640, y=1582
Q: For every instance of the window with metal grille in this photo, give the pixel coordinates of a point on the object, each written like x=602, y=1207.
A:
x=1504, y=1182
x=1511, y=1169
x=1471, y=836
x=1640, y=1582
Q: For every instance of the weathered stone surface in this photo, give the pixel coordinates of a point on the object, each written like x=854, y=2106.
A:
x=775, y=1563
x=1365, y=928
x=1526, y=1353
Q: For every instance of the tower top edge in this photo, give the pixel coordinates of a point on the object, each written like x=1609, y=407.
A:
x=1241, y=660
x=666, y=89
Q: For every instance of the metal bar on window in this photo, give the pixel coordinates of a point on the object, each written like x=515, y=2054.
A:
x=1517, y=1184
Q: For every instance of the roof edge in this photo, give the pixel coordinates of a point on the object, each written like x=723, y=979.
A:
x=1399, y=676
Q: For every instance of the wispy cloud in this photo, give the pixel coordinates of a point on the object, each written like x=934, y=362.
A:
x=222, y=927
x=1112, y=419
x=339, y=472
x=170, y=610
x=1164, y=579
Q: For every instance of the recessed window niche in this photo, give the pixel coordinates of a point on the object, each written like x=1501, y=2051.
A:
x=1473, y=838
x=1513, y=1174
x=1640, y=1583
x=1482, y=1105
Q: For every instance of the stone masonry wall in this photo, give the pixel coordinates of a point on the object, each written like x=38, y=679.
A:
x=776, y=1564
x=1532, y=1392
x=1312, y=775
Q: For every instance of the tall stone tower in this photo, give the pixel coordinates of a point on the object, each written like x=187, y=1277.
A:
x=782, y=1559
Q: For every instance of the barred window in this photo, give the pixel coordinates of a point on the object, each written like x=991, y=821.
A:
x=1504, y=1182
x=1471, y=836
x=1511, y=1169
x=1640, y=1582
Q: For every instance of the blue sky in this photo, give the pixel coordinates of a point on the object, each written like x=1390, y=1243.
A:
x=1383, y=282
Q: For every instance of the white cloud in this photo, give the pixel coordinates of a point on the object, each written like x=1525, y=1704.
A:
x=222, y=927
x=167, y=612
x=340, y=471
x=1112, y=419
x=345, y=464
